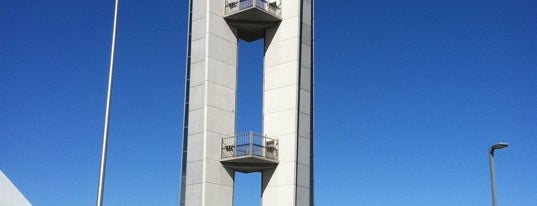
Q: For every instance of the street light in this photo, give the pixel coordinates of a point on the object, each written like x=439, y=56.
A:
x=500, y=145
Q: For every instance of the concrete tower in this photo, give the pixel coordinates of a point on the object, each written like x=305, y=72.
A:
x=9, y=194
x=212, y=150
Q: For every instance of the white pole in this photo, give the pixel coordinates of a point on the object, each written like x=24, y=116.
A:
x=107, y=113
x=492, y=180
x=500, y=145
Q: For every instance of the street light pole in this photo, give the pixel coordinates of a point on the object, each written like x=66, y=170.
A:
x=100, y=189
x=500, y=145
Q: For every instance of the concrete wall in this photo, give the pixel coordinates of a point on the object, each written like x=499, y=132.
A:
x=9, y=194
x=287, y=105
x=211, y=104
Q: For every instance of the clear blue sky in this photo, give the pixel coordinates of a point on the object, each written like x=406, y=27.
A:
x=409, y=96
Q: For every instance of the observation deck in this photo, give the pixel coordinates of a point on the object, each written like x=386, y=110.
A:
x=252, y=17
x=249, y=152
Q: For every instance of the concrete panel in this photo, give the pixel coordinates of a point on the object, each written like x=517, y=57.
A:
x=303, y=133
x=217, y=174
x=287, y=148
x=199, y=9
x=218, y=26
x=197, y=73
x=222, y=49
x=306, y=55
x=279, y=196
x=214, y=143
x=280, y=99
x=303, y=180
x=306, y=63
x=280, y=75
x=281, y=52
x=285, y=175
x=286, y=30
x=303, y=196
x=304, y=124
x=193, y=195
x=220, y=121
x=306, y=12
x=306, y=34
x=305, y=78
x=305, y=103
x=222, y=73
x=304, y=151
x=221, y=97
x=217, y=7
x=197, y=97
x=195, y=121
x=198, y=28
x=193, y=169
x=198, y=50
x=218, y=195
x=290, y=9
x=195, y=147
x=280, y=123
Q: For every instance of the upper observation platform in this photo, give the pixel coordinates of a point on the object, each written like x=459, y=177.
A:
x=249, y=152
x=252, y=17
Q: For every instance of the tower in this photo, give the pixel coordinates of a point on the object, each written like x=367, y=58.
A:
x=9, y=193
x=212, y=150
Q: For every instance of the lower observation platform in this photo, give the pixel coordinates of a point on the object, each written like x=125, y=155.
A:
x=249, y=152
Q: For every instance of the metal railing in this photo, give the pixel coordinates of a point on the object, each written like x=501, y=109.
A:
x=249, y=144
x=273, y=7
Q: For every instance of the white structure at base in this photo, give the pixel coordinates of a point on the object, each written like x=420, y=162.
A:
x=9, y=194
x=212, y=150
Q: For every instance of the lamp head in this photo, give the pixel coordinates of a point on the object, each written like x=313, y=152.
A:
x=500, y=145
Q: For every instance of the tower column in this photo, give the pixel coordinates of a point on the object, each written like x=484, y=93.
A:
x=287, y=107
x=210, y=105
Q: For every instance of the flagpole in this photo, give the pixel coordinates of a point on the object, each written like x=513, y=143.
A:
x=107, y=112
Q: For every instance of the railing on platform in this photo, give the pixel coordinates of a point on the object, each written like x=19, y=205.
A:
x=273, y=7
x=249, y=144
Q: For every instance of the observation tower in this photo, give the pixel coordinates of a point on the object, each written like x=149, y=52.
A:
x=213, y=151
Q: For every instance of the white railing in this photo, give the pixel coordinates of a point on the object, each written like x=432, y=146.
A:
x=273, y=7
